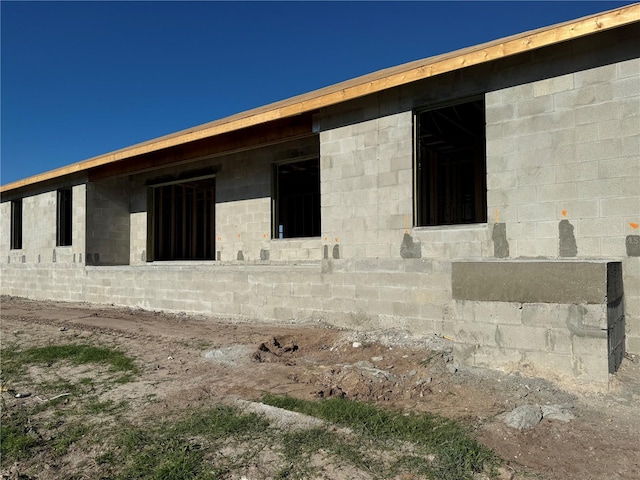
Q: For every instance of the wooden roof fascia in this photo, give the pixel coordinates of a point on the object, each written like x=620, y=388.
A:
x=360, y=86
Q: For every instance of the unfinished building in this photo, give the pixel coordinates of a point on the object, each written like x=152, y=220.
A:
x=490, y=195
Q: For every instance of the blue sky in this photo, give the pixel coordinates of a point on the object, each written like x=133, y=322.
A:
x=80, y=79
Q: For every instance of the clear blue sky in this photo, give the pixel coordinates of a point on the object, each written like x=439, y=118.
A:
x=81, y=79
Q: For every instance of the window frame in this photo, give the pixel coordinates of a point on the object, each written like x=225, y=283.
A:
x=16, y=225
x=430, y=206
x=186, y=241
x=278, y=204
x=64, y=217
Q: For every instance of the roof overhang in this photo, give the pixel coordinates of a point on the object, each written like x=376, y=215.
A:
x=355, y=88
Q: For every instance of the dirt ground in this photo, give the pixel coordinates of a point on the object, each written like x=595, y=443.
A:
x=189, y=361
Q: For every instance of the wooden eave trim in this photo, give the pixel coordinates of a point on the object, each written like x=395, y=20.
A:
x=361, y=86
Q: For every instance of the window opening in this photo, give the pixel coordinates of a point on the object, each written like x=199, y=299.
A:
x=451, y=165
x=16, y=224
x=183, y=220
x=297, y=199
x=64, y=221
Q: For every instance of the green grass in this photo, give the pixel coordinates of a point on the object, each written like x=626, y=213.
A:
x=179, y=449
x=14, y=360
x=16, y=436
x=457, y=454
x=297, y=448
x=21, y=425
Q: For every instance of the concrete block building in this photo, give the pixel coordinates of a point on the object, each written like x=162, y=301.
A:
x=490, y=195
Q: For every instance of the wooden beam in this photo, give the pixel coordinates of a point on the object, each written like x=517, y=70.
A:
x=245, y=139
x=358, y=87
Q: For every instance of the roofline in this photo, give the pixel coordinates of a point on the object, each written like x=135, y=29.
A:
x=358, y=87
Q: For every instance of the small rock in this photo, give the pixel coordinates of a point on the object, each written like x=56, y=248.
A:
x=23, y=395
x=377, y=359
x=63, y=329
x=357, y=344
x=557, y=412
x=363, y=364
x=452, y=368
x=524, y=417
x=169, y=357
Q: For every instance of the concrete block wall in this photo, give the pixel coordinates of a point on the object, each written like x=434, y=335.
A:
x=108, y=222
x=563, y=170
x=243, y=212
x=566, y=149
x=534, y=338
x=137, y=224
x=359, y=294
x=367, y=186
x=39, y=230
x=5, y=229
x=544, y=317
x=243, y=207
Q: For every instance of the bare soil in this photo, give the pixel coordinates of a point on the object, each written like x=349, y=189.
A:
x=189, y=361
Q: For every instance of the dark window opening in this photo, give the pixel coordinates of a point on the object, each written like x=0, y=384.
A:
x=16, y=224
x=183, y=220
x=64, y=221
x=451, y=165
x=297, y=199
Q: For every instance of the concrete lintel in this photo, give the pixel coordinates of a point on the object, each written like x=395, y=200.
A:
x=571, y=282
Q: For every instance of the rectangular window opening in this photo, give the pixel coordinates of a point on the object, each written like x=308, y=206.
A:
x=297, y=199
x=451, y=164
x=183, y=220
x=64, y=221
x=16, y=224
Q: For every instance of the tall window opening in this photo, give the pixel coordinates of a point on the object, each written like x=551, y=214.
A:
x=297, y=199
x=451, y=165
x=183, y=220
x=16, y=224
x=64, y=221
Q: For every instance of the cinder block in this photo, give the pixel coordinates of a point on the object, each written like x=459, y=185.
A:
x=558, y=341
x=623, y=206
x=418, y=265
x=475, y=333
x=620, y=167
x=498, y=113
x=544, y=247
x=632, y=345
x=521, y=338
x=591, y=368
x=544, y=362
x=626, y=88
x=600, y=227
x=392, y=294
x=545, y=315
x=405, y=309
x=343, y=292
x=553, y=85
x=628, y=68
x=534, y=106
x=491, y=357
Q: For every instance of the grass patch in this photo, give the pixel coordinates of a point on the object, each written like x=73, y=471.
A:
x=457, y=455
x=177, y=450
x=14, y=361
x=16, y=436
x=218, y=442
x=24, y=428
x=298, y=447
